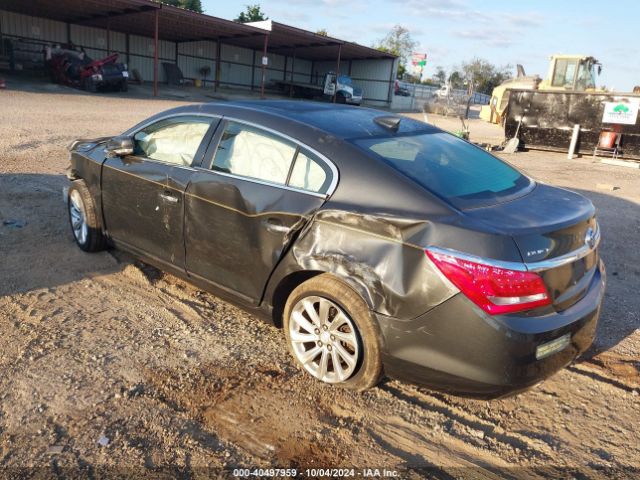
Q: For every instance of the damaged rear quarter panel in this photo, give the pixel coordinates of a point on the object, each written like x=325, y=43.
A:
x=370, y=254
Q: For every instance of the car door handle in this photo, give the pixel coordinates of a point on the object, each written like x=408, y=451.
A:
x=169, y=197
x=274, y=225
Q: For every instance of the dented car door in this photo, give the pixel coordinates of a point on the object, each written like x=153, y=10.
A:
x=243, y=208
x=143, y=193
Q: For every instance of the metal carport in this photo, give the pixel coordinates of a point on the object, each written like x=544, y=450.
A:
x=166, y=23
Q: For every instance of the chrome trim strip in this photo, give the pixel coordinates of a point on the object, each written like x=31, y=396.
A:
x=566, y=258
x=518, y=266
x=263, y=182
x=524, y=267
x=518, y=300
x=131, y=131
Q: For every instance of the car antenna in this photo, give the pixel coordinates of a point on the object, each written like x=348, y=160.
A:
x=389, y=122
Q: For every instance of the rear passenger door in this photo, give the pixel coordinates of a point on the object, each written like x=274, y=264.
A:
x=256, y=191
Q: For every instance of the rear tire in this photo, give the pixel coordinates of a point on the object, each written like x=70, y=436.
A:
x=350, y=337
x=83, y=218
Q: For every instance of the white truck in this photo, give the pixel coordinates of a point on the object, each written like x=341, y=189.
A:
x=342, y=86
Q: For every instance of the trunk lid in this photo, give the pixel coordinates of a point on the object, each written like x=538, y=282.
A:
x=556, y=233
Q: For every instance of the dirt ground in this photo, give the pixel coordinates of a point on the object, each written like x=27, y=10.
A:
x=109, y=367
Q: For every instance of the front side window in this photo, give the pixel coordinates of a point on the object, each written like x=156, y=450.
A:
x=564, y=73
x=251, y=152
x=464, y=175
x=174, y=141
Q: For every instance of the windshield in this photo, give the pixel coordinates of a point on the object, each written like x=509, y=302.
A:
x=455, y=170
x=343, y=79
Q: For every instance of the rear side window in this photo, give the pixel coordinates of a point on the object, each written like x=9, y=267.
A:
x=310, y=173
x=250, y=152
x=453, y=169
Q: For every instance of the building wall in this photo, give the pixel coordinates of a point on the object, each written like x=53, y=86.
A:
x=141, y=53
x=236, y=63
x=192, y=56
x=373, y=77
x=14, y=24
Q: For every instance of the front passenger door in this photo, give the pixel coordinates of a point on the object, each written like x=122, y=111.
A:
x=143, y=193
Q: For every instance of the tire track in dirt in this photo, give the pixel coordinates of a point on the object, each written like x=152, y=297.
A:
x=473, y=429
x=422, y=440
x=533, y=417
x=622, y=373
x=478, y=444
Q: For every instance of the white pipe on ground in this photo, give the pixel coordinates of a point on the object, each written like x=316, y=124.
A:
x=574, y=141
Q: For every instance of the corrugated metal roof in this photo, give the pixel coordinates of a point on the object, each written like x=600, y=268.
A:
x=285, y=39
x=180, y=25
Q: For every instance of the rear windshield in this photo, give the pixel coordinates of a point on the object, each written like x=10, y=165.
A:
x=455, y=170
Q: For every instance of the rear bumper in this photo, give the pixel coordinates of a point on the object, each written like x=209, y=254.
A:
x=456, y=347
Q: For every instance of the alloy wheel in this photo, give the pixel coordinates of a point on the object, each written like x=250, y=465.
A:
x=324, y=339
x=78, y=217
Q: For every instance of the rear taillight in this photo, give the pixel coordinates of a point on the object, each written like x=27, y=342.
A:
x=494, y=289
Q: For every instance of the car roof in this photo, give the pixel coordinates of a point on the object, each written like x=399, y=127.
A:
x=317, y=125
x=342, y=121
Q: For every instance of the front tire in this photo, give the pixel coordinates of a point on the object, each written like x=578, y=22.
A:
x=332, y=335
x=83, y=218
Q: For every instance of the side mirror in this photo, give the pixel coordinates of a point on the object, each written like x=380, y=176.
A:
x=120, y=146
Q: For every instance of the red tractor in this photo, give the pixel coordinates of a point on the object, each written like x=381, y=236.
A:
x=75, y=68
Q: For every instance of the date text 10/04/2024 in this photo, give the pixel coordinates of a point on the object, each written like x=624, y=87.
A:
x=315, y=472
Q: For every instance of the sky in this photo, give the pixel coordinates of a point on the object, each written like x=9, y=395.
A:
x=500, y=31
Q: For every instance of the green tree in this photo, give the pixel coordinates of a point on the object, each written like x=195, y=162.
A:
x=194, y=5
x=323, y=32
x=456, y=79
x=252, y=13
x=440, y=77
x=398, y=42
x=482, y=76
